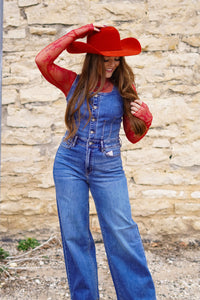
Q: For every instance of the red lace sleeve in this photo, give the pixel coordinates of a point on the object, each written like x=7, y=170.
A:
x=145, y=115
x=58, y=76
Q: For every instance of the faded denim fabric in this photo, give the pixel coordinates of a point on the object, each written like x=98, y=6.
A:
x=92, y=161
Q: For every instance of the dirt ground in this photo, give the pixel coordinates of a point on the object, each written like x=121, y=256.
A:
x=40, y=273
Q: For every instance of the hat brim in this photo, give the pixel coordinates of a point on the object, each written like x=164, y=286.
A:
x=129, y=46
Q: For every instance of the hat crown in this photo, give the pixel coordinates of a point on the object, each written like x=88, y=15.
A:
x=107, y=39
x=106, y=42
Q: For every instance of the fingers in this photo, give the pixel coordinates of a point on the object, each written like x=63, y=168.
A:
x=138, y=101
x=97, y=27
x=135, y=106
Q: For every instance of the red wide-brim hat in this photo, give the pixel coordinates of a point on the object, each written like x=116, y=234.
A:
x=106, y=42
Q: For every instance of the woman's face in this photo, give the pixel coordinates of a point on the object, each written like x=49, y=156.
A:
x=111, y=63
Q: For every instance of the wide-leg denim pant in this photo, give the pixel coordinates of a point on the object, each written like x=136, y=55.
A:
x=80, y=166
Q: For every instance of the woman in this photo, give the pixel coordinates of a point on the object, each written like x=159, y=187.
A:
x=89, y=158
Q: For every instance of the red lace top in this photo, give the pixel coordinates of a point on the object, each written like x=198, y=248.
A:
x=63, y=78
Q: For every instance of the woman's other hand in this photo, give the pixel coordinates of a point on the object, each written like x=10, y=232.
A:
x=135, y=106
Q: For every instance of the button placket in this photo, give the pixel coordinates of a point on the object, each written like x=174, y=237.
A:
x=94, y=111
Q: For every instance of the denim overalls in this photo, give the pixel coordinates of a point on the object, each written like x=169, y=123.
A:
x=91, y=161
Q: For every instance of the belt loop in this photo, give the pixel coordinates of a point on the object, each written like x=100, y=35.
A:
x=74, y=140
x=102, y=146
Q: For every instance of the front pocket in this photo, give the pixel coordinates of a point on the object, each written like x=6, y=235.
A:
x=111, y=151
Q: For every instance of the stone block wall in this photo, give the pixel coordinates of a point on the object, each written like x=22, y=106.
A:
x=163, y=170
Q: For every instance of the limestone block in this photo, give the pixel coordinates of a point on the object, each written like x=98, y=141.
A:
x=83, y=12
x=3, y=225
x=169, y=131
x=7, y=180
x=41, y=30
x=187, y=208
x=58, y=12
x=185, y=89
x=46, y=177
x=36, y=115
x=21, y=45
x=172, y=75
x=30, y=167
x=161, y=143
x=22, y=136
x=9, y=59
x=135, y=27
x=144, y=208
x=196, y=225
x=20, y=154
x=148, y=60
x=9, y=95
x=14, y=80
x=150, y=176
x=172, y=19
x=20, y=222
x=26, y=118
x=24, y=3
x=22, y=207
x=43, y=195
x=196, y=78
x=170, y=110
x=191, y=134
x=39, y=94
x=15, y=34
x=194, y=41
x=9, y=194
x=186, y=156
x=112, y=11
x=159, y=193
x=195, y=195
x=92, y=207
x=11, y=16
x=94, y=223
x=168, y=8
x=185, y=59
x=170, y=225
x=150, y=43
x=17, y=194
x=156, y=93
x=51, y=209
x=173, y=27
x=146, y=156
x=25, y=68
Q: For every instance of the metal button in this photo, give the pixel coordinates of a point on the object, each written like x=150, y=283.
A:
x=92, y=131
x=95, y=107
x=90, y=143
x=93, y=119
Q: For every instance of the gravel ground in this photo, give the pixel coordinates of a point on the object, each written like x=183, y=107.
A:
x=40, y=274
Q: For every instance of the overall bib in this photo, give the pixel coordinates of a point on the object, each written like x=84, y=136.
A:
x=91, y=161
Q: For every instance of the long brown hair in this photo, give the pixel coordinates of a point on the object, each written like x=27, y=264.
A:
x=93, y=69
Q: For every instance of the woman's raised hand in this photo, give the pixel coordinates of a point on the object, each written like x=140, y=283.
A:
x=97, y=27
